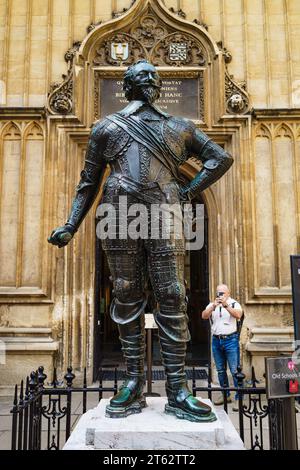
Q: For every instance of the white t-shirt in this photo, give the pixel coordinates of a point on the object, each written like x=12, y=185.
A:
x=222, y=323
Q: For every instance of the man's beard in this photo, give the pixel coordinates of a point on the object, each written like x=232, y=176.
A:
x=149, y=93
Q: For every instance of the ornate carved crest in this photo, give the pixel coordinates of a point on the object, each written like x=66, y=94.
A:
x=179, y=49
x=109, y=52
x=119, y=51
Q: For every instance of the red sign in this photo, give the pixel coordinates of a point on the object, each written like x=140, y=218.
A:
x=293, y=386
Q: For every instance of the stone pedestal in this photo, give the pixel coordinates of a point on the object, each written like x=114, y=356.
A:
x=152, y=430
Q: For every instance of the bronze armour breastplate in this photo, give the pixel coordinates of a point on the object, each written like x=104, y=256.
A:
x=134, y=159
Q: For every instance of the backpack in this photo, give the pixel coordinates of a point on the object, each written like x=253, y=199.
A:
x=239, y=323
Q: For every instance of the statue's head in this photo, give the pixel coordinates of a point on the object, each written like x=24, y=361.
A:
x=142, y=82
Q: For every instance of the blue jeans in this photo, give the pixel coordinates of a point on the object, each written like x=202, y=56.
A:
x=226, y=351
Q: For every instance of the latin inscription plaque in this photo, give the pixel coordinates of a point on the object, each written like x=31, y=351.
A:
x=179, y=97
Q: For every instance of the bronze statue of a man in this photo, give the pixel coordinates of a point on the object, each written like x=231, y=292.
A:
x=145, y=147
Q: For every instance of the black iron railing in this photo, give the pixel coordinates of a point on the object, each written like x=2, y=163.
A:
x=49, y=405
x=42, y=412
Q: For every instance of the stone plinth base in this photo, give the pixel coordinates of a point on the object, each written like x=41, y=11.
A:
x=151, y=430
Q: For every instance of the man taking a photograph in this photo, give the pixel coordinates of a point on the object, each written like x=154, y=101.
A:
x=224, y=314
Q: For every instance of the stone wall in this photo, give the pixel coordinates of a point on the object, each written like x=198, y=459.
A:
x=262, y=35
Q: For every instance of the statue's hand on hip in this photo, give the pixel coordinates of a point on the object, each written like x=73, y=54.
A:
x=61, y=236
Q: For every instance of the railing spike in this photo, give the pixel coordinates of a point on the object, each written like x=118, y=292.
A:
x=84, y=378
x=41, y=376
x=26, y=397
x=54, y=382
x=240, y=376
x=84, y=396
x=14, y=412
x=69, y=377
x=21, y=392
x=16, y=395
x=254, y=380
x=32, y=382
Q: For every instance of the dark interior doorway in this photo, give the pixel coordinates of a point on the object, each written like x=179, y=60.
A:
x=199, y=347
x=107, y=350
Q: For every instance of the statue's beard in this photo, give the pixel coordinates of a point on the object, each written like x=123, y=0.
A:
x=148, y=93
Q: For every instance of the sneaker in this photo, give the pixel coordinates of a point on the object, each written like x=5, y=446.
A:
x=235, y=406
x=220, y=400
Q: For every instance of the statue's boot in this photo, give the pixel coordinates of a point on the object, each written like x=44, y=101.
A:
x=181, y=401
x=129, y=398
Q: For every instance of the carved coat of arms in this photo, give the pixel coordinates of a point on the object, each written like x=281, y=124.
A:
x=178, y=51
x=119, y=50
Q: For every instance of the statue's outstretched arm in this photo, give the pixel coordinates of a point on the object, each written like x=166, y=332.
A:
x=86, y=191
x=216, y=161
